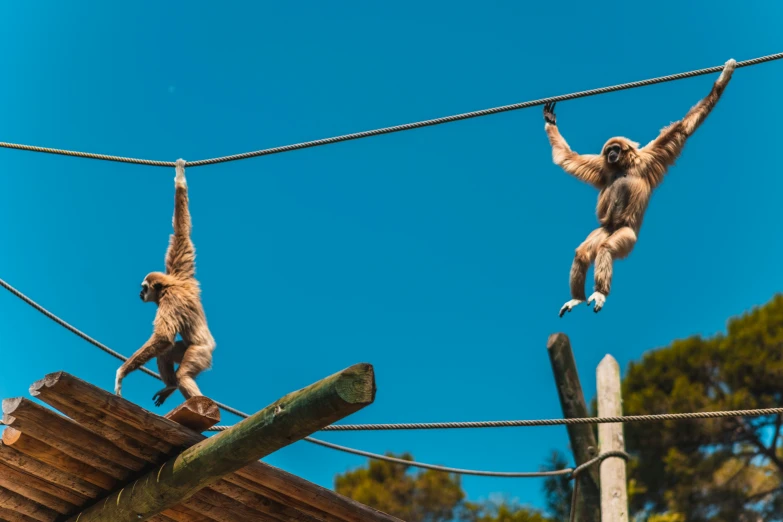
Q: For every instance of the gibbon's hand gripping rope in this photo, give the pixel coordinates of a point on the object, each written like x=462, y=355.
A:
x=395, y=128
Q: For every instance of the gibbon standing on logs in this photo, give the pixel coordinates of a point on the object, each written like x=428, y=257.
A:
x=178, y=297
x=626, y=176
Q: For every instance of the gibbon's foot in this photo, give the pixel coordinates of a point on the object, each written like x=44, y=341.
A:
x=600, y=300
x=549, y=113
x=569, y=305
x=161, y=395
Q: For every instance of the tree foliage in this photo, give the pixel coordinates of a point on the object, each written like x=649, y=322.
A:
x=424, y=496
x=716, y=470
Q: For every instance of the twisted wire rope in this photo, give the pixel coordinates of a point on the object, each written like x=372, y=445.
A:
x=396, y=128
x=555, y=422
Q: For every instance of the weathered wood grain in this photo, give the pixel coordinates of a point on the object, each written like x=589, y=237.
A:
x=126, y=437
x=60, y=499
x=69, y=437
x=29, y=465
x=45, y=453
x=25, y=506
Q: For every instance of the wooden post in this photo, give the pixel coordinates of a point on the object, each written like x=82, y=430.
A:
x=291, y=418
x=614, y=496
x=582, y=437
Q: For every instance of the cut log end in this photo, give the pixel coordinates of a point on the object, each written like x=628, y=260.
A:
x=10, y=436
x=10, y=405
x=197, y=413
x=556, y=339
x=49, y=380
x=356, y=384
x=608, y=363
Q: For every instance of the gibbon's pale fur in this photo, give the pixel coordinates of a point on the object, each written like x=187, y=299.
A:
x=626, y=176
x=178, y=297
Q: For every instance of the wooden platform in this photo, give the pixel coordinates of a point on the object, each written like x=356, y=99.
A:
x=53, y=467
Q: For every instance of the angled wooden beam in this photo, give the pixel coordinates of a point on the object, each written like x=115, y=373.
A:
x=201, y=415
x=291, y=418
x=581, y=436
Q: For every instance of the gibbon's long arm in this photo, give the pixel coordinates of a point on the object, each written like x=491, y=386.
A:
x=181, y=254
x=161, y=340
x=664, y=150
x=586, y=167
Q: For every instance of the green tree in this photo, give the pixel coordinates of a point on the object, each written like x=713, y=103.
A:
x=424, y=496
x=558, y=489
x=716, y=470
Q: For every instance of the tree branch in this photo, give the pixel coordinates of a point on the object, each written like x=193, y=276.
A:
x=754, y=439
x=774, y=445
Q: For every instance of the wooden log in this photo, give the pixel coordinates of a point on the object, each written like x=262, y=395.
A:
x=197, y=413
x=289, y=419
x=8, y=515
x=260, y=503
x=129, y=439
x=614, y=496
x=29, y=465
x=297, y=504
x=581, y=436
x=227, y=504
x=25, y=506
x=312, y=494
x=43, y=452
x=60, y=499
x=69, y=437
x=180, y=513
x=68, y=387
x=161, y=518
x=215, y=513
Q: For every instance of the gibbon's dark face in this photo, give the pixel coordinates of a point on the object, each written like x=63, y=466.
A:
x=145, y=291
x=613, y=153
x=150, y=289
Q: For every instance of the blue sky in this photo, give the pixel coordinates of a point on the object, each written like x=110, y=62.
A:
x=440, y=255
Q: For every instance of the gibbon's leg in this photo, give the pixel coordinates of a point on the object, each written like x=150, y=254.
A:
x=617, y=246
x=585, y=254
x=197, y=358
x=166, y=367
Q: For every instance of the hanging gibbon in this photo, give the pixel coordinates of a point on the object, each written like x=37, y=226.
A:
x=178, y=296
x=625, y=176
